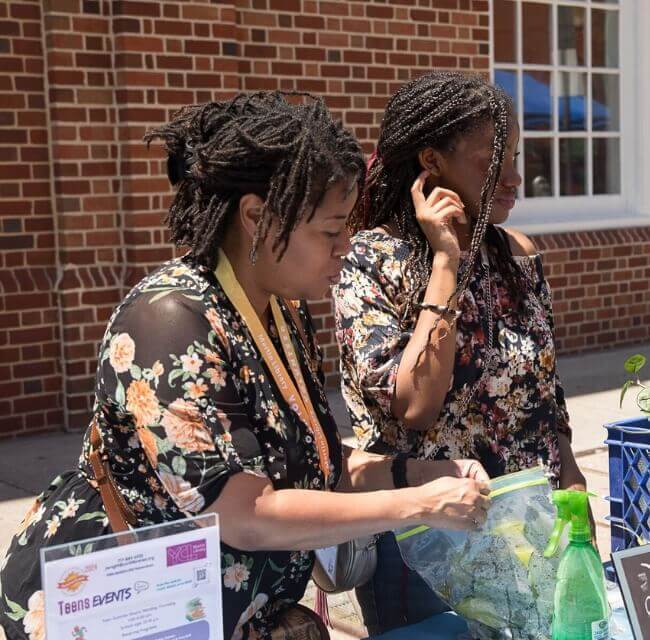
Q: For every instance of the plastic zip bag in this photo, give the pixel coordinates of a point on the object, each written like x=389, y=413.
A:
x=495, y=577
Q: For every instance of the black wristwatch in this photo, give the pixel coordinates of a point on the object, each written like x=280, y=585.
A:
x=398, y=469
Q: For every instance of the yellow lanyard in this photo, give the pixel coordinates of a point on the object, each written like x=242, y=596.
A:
x=297, y=399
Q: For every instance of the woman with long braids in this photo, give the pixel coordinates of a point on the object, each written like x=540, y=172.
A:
x=209, y=394
x=443, y=318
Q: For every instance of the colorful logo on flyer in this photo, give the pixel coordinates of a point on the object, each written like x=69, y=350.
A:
x=195, y=610
x=79, y=633
x=72, y=581
x=187, y=552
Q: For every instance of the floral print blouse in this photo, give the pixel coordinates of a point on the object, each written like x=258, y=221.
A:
x=514, y=416
x=183, y=402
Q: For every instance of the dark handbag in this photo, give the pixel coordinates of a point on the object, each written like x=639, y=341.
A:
x=356, y=561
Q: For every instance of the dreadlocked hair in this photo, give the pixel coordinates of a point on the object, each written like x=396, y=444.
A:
x=433, y=110
x=287, y=153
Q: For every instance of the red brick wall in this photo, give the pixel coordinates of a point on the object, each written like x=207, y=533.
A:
x=30, y=370
x=82, y=199
x=601, y=287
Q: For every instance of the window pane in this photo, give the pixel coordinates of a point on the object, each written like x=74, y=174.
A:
x=571, y=35
x=505, y=49
x=571, y=101
x=537, y=100
x=538, y=163
x=572, y=167
x=604, y=38
x=507, y=80
x=605, y=101
x=607, y=165
x=536, y=32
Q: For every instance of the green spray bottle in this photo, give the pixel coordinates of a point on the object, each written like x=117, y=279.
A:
x=581, y=611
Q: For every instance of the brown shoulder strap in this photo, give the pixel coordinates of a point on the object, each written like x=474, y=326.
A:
x=120, y=515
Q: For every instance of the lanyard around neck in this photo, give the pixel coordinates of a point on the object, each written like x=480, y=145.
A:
x=297, y=398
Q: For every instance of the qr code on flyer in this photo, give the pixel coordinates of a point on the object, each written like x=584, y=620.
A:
x=200, y=574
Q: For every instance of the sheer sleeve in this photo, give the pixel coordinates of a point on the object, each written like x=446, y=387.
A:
x=165, y=364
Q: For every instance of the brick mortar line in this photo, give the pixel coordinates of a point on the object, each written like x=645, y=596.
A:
x=55, y=213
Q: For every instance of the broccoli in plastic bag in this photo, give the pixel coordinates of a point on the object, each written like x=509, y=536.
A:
x=496, y=577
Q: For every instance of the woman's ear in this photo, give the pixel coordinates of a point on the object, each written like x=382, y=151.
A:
x=432, y=161
x=250, y=212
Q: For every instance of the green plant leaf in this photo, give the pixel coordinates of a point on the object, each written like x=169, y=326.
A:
x=14, y=616
x=275, y=567
x=16, y=609
x=229, y=559
x=120, y=395
x=179, y=466
x=135, y=371
x=643, y=400
x=173, y=374
x=94, y=515
x=635, y=363
x=626, y=386
x=163, y=444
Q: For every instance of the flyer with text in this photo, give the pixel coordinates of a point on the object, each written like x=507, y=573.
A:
x=164, y=585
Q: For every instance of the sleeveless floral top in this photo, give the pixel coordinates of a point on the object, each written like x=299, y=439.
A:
x=514, y=415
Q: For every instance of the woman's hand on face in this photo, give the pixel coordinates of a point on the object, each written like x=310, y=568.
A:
x=435, y=215
x=454, y=503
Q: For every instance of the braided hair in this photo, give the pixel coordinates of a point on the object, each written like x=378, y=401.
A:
x=433, y=110
x=287, y=153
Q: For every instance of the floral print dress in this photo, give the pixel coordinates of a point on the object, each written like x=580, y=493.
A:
x=183, y=402
x=514, y=416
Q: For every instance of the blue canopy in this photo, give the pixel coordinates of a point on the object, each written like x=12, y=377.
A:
x=537, y=104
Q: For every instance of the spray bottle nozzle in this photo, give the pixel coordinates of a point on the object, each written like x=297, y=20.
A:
x=572, y=508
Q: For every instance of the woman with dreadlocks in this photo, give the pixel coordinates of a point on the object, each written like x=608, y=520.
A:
x=209, y=392
x=443, y=318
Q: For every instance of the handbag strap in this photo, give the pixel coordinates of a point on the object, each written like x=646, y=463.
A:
x=120, y=515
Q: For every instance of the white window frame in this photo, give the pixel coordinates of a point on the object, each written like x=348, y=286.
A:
x=632, y=206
